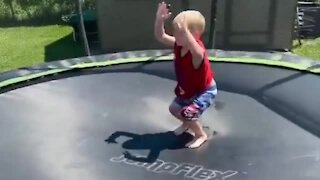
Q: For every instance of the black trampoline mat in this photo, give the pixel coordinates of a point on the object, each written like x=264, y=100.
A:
x=57, y=130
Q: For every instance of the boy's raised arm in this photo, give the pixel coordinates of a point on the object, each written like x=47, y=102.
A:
x=163, y=14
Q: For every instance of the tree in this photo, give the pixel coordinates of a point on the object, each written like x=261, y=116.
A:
x=9, y=3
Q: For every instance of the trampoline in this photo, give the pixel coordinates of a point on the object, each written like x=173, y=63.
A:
x=106, y=117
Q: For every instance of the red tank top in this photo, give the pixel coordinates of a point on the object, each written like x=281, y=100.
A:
x=191, y=81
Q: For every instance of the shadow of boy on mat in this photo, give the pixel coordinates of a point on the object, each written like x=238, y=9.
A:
x=155, y=143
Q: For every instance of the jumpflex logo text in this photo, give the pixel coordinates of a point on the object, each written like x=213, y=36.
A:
x=191, y=171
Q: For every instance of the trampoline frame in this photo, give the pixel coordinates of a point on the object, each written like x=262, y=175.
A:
x=282, y=60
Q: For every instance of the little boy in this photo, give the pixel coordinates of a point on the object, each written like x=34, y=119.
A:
x=196, y=87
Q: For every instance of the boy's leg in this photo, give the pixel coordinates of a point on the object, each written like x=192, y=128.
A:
x=191, y=115
x=200, y=135
x=193, y=112
x=175, y=109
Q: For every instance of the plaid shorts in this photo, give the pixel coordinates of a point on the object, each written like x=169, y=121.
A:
x=193, y=108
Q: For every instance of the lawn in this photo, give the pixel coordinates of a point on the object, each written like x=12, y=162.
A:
x=309, y=48
x=27, y=46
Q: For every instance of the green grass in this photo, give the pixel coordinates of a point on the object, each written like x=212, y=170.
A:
x=27, y=46
x=309, y=48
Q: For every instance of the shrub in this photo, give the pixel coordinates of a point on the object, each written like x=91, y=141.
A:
x=38, y=11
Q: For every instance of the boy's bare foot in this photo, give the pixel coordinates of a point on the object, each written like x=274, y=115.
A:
x=181, y=129
x=197, y=141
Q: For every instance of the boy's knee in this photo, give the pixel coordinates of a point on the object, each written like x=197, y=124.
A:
x=173, y=109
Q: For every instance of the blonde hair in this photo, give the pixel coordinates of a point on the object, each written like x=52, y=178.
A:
x=194, y=19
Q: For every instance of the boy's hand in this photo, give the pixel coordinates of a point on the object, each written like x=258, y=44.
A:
x=163, y=12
